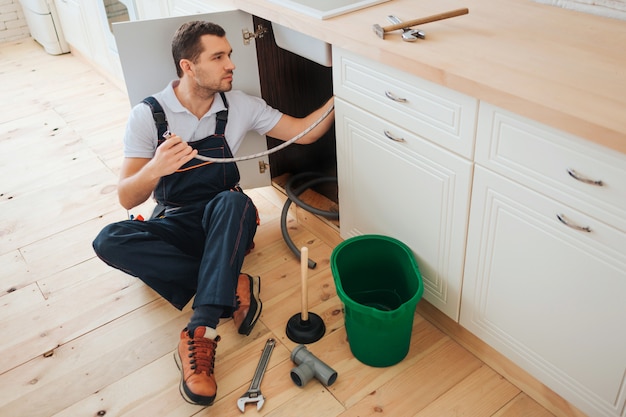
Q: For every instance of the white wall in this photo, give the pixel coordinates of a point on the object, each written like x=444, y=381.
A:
x=607, y=8
x=12, y=23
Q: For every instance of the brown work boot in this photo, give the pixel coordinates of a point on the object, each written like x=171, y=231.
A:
x=249, y=304
x=195, y=357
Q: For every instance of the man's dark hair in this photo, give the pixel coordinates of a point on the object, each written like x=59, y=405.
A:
x=186, y=43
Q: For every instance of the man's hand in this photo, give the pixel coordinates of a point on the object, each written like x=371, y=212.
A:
x=171, y=155
x=288, y=126
x=139, y=176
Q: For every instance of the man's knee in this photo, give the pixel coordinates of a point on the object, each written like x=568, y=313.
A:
x=232, y=198
x=232, y=207
x=233, y=202
x=106, y=240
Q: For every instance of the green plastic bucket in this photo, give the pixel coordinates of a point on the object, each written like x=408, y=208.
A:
x=379, y=283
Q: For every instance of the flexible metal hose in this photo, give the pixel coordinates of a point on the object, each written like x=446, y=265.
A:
x=269, y=151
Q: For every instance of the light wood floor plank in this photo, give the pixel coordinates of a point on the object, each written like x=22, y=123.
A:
x=46, y=385
x=80, y=309
x=13, y=274
x=522, y=405
x=156, y=379
x=17, y=303
x=431, y=376
x=25, y=220
x=359, y=381
x=482, y=393
x=311, y=402
x=60, y=251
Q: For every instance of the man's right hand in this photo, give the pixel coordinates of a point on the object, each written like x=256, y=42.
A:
x=139, y=176
x=172, y=154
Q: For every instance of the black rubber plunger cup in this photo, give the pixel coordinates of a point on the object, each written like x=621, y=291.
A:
x=305, y=327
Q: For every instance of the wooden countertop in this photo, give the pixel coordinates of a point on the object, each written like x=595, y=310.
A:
x=563, y=68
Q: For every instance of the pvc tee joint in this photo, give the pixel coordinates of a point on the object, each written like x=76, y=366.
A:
x=309, y=367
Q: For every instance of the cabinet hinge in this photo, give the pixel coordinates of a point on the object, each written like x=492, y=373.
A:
x=247, y=35
x=263, y=166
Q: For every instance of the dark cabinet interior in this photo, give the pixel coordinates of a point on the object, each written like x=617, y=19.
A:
x=296, y=86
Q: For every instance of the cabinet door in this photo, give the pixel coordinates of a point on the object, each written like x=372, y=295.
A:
x=412, y=190
x=145, y=54
x=74, y=29
x=549, y=297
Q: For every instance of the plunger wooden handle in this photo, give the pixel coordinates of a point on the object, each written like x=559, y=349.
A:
x=304, y=270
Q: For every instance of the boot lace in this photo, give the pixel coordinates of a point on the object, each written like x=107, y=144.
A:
x=202, y=354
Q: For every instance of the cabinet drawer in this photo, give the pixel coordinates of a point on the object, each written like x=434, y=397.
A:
x=568, y=168
x=431, y=111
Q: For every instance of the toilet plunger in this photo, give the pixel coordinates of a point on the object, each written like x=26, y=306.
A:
x=305, y=327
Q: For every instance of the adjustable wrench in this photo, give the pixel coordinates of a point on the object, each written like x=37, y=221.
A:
x=253, y=395
x=408, y=34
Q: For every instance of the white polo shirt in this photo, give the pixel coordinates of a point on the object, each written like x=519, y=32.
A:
x=245, y=113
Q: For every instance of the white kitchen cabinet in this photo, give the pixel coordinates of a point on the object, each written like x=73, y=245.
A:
x=394, y=182
x=73, y=24
x=86, y=29
x=545, y=271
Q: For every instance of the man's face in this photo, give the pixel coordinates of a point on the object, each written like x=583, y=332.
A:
x=213, y=69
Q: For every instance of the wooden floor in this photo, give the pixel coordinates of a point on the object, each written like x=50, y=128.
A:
x=81, y=339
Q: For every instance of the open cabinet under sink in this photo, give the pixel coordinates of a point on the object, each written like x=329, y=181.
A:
x=287, y=81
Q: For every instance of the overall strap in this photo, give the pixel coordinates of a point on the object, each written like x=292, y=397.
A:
x=161, y=121
x=222, y=117
x=158, y=114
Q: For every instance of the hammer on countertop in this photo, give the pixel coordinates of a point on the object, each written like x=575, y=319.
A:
x=380, y=31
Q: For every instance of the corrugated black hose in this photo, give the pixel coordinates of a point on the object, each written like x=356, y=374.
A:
x=314, y=178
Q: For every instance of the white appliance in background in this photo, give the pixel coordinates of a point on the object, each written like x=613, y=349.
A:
x=44, y=25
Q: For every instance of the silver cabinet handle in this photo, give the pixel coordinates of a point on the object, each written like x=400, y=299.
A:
x=574, y=226
x=394, y=97
x=392, y=137
x=581, y=178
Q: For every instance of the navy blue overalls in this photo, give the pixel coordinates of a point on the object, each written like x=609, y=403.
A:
x=198, y=245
